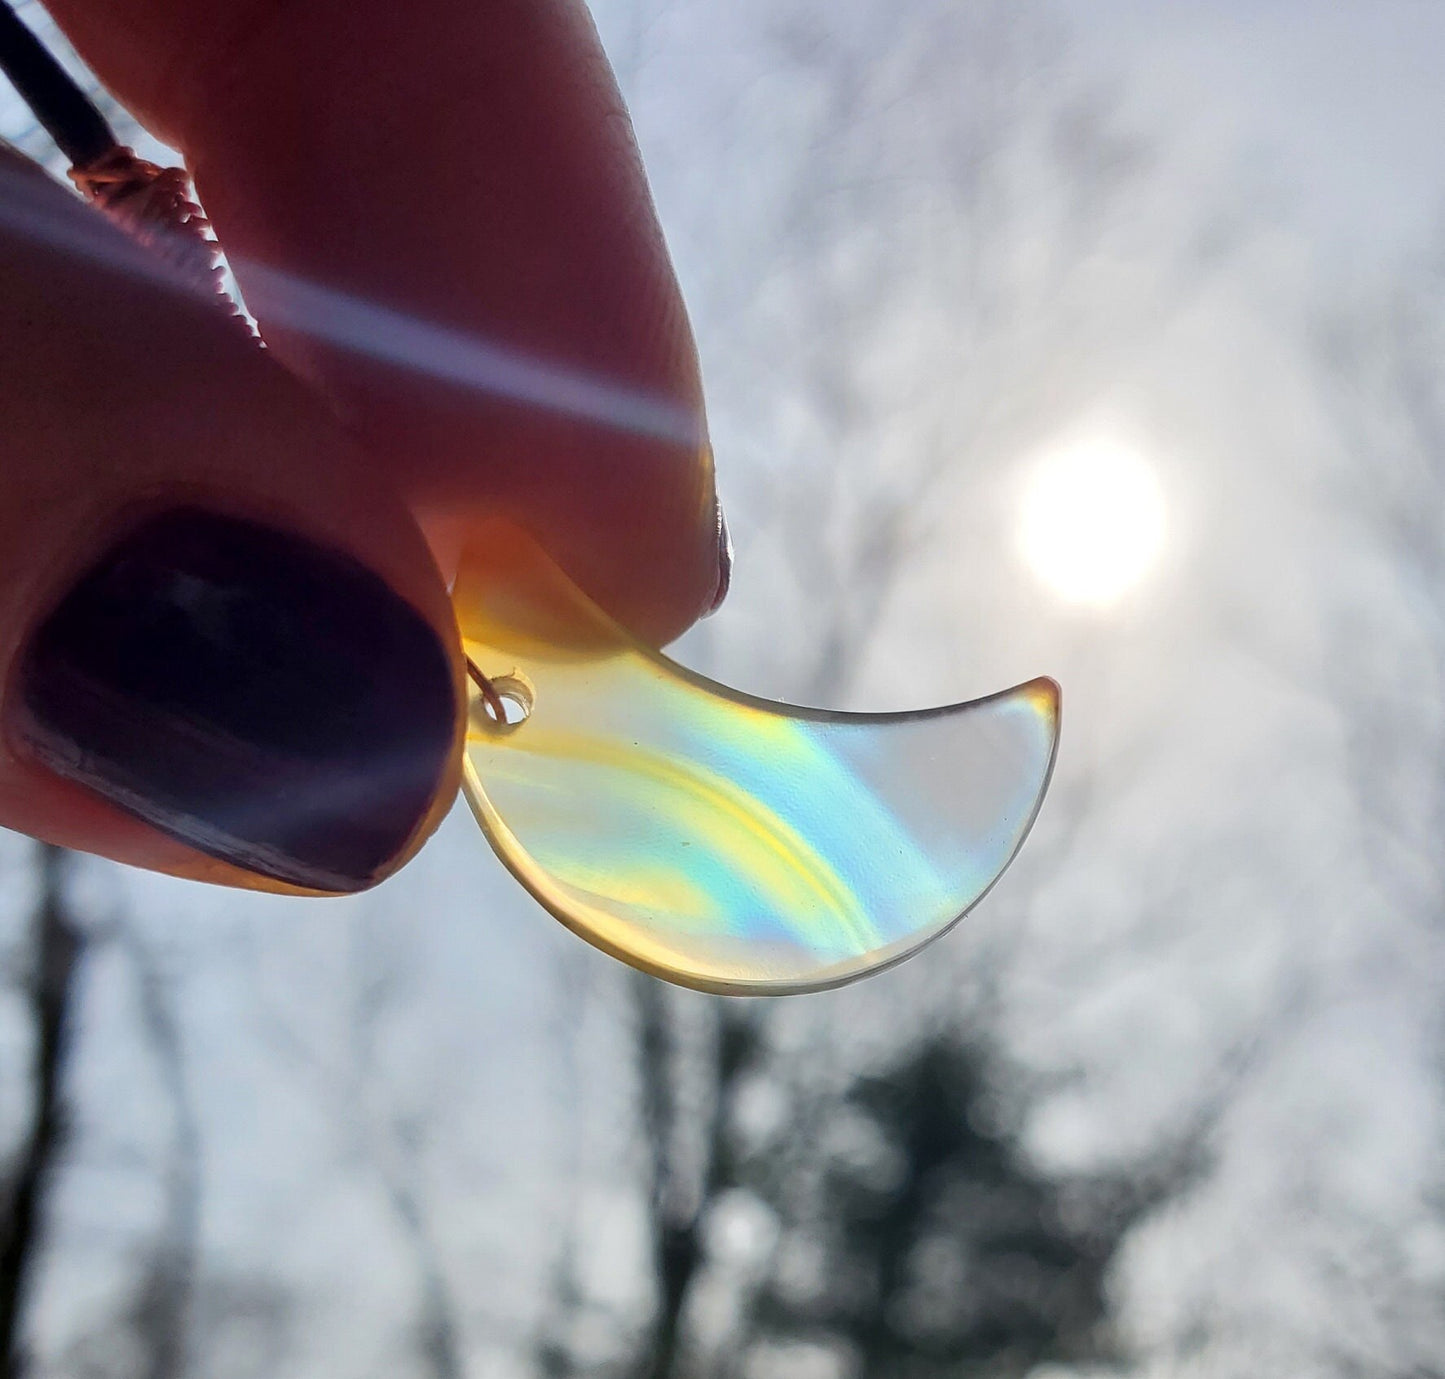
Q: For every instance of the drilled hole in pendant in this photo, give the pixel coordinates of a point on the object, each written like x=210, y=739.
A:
x=504, y=702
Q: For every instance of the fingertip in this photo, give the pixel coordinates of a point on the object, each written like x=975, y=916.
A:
x=463, y=259
x=218, y=630
x=262, y=698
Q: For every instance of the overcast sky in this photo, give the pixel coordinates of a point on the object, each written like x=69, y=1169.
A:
x=1339, y=101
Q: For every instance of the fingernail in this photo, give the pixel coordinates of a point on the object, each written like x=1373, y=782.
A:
x=725, y=564
x=266, y=700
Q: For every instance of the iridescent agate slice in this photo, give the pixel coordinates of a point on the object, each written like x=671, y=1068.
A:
x=713, y=839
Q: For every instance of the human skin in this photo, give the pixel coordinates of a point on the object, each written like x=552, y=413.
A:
x=466, y=164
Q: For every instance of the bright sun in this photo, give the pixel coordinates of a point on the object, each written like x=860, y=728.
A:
x=1093, y=521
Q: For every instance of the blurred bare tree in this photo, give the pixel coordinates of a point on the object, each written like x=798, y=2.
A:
x=899, y=1227
x=149, y=1337
x=54, y=945
x=950, y=196
x=1381, y=351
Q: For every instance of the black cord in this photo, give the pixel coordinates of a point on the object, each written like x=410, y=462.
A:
x=70, y=117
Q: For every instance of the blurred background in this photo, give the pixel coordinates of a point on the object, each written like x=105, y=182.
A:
x=1096, y=338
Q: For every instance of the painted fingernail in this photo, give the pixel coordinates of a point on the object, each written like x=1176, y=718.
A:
x=266, y=700
x=725, y=564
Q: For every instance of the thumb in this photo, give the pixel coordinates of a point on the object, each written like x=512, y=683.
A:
x=226, y=649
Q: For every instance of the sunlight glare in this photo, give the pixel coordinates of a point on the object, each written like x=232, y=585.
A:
x=1093, y=521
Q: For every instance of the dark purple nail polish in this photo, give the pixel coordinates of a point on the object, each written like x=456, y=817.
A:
x=266, y=700
x=725, y=563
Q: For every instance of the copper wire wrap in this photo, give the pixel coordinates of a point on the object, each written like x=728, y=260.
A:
x=154, y=206
x=490, y=697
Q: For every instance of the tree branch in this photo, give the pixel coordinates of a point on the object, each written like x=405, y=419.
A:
x=57, y=945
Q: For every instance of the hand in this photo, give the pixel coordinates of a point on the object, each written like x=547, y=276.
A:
x=224, y=625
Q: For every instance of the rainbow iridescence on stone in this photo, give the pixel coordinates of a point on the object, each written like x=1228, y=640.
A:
x=720, y=841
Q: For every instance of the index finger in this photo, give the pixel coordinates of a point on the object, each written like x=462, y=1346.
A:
x=437, y=213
